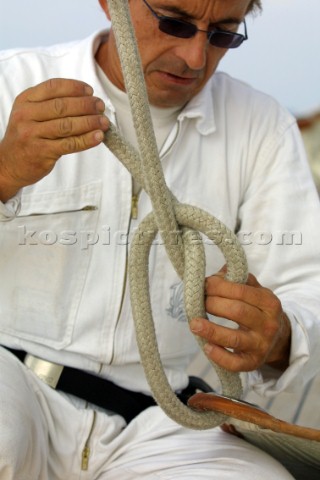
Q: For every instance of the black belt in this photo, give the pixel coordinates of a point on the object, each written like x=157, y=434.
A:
x=110, y=396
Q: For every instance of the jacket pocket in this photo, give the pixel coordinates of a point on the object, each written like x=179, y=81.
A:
x=45, y=254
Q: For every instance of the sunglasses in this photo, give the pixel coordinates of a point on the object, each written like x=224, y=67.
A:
x=180, y=28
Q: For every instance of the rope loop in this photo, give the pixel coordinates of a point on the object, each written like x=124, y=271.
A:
x=169, y=216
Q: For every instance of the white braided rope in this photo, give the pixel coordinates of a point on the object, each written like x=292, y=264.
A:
x=168, y=216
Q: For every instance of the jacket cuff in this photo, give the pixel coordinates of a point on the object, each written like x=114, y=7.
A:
x=272, y=381
x=10, y=209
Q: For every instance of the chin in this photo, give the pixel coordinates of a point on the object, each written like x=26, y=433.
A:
x=168, y=102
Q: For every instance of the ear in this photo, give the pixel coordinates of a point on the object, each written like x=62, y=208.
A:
x=105, y=8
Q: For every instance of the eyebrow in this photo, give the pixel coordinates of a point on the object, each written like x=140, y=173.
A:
x=182, y=13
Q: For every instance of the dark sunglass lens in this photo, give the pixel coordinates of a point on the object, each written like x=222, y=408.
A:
x=177, y=28
x=226, y=40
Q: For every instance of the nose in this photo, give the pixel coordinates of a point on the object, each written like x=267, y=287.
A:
x=193, y=51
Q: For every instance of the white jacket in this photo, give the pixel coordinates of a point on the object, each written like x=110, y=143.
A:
x=233, y=152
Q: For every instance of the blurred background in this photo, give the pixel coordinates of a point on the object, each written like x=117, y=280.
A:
x=281, y=56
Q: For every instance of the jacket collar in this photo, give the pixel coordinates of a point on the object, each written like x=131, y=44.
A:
x=201, y=108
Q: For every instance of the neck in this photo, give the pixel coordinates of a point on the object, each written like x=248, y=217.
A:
x=108, y=60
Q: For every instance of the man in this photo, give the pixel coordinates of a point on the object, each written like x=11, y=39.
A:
x=66, y=219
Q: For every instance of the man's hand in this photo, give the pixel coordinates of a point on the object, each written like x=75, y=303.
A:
x=263, y=334
x=54, y=118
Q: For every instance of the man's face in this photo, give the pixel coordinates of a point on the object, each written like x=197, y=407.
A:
x=176, y=69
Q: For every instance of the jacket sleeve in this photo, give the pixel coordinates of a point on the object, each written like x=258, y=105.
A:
x=280, y=231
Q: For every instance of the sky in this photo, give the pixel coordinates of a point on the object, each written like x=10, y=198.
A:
x=281, y=57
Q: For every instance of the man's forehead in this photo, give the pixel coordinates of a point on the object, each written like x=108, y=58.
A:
x=205, y=9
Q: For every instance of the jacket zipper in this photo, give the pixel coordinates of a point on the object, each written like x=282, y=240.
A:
x=133, y=216
x=134, y=206
x=124, y=283
x=86, y=450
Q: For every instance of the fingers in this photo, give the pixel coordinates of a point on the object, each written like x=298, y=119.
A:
x=261, y=315
x=79, y=143
x=52, y=119
x=67, y=101
x=248, y=348
x=220, y=335
x=55, y=88
x=63, y=146
x=231, y=361
x=73, y=126
x=218, y=286
x=238, y=311
x=63, y=107
x=263, y=333
x=76, y=123
x=242, y=296
x=58, y=107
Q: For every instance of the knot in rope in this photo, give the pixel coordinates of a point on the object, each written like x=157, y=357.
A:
x=168, y=216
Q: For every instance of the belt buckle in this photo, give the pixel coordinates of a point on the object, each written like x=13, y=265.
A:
x=48, y=372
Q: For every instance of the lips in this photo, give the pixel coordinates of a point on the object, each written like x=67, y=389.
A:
x=177, y=79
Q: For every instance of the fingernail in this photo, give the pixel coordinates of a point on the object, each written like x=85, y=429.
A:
x=104, y=122
x=208, y=348
x=100, y=106
x=88, y=90
x=196, y=325
x=99, y=136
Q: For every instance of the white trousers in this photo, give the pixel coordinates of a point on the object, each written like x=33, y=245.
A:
x=43, y=435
